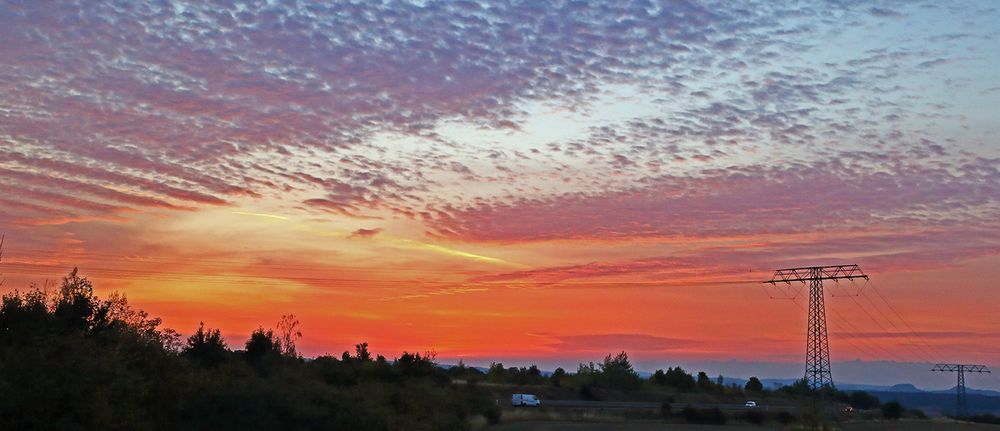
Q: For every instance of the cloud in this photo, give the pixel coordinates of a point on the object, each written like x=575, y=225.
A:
x=830, y=195
x=613, y=343
x=193, y=95
x=366, y=233
x=697, y=118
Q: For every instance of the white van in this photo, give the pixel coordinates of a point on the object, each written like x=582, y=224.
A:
x=526, y=400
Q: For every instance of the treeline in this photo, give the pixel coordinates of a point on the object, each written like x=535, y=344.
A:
x=70, y=360
x=614, y=372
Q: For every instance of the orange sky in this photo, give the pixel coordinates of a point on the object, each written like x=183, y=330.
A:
x=523, y=181
x=399, y=292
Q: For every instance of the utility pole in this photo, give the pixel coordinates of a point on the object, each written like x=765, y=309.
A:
x=2, y=237
x=961, y=409
x=817, y=373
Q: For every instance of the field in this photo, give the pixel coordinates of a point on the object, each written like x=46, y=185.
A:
x=929, y=425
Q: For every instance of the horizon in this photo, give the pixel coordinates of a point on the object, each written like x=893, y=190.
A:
x=488, y=180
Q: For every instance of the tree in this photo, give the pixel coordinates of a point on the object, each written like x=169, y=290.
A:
x=533, y=371
x=617, y=372
x=800, y=387
x=361, y=352
x=262, y=344
x=659, y=378
x=754, y=385
x=206, y=346
x=679, y=379
x=288, y=334
x=496, y=373
x=704, y=383
x=75, y=306
x=557, y=377
x=863, y=400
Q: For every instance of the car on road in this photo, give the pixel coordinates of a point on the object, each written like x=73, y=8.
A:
x=524, y=400
x=750, y=404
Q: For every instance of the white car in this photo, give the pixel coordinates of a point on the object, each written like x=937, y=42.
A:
x=524, y=400
x=750, y=404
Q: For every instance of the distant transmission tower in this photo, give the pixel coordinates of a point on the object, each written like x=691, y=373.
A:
x=961, y=409
x=817, y=347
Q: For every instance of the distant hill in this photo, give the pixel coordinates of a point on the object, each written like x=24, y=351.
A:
x=970, y=391
x=938, y=403
x=901, y=388
x=904, y=387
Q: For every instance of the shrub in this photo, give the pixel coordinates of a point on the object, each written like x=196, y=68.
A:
x=665, y=410
x=784, y=418
x=754, y=385
x=755, y=417
x=493, y=414
x=892, y=410
x=587, y=393
x=712, y=416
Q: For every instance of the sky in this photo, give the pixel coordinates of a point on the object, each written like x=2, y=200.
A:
x=525, y=182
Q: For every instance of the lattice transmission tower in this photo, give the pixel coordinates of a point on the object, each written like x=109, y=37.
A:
x=961, y=408
x=818, y=373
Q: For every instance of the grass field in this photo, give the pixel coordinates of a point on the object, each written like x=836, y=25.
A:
x=928, y=425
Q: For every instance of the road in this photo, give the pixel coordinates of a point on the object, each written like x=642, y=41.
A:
x=650, y=405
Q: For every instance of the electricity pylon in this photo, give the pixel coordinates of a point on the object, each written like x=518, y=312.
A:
x=818, y=373
x=961, y=369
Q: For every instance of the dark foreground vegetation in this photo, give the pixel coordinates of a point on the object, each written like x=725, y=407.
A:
x=72, y=361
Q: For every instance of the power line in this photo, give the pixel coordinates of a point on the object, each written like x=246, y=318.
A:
x=818, y=373
x=929, y=356
x=841, y=319
x=882, y=327
x=905, y=323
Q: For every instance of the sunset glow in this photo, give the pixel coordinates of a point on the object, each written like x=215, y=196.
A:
x=516, y=182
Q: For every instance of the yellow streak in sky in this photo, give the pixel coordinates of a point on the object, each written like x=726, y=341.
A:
x=408, y=243
x=278, y=217
x=453, y=252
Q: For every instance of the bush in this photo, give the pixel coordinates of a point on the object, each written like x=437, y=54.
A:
x=712, y=416
x=784, y=418
x=665, y=410
x=861, y=400
x=587, y=394
x=892, y=410
x=755, y=417
x=493, y=414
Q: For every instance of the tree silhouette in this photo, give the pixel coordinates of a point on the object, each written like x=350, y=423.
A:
x=288, y=333
x=754, y=385
x=704, y=383
x=206, y=346
x=892, y=410
x=361, y=352
x=70, y=360
x=262, y=347
x=557, y=377
x=616, y=371
x=659, y=377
